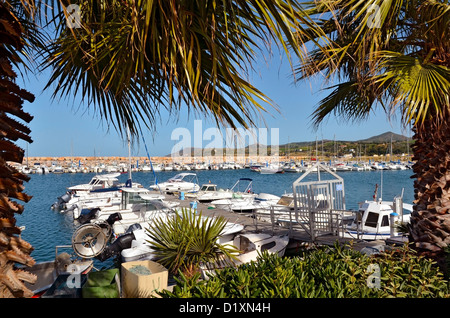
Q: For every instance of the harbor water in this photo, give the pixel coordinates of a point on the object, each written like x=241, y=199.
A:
x=45, y=228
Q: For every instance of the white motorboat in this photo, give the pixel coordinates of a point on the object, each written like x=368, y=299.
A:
x=101, y=187
x=253, y=244
x=259, y=202
x=98, y=182
x=137, y=206
x=255, y=168
x=280, y=208
x=374, y=219
x=94, y=200
x=41, y=169
x=57, y=169
x=246, y=205
x=271, y=169
x=182, y=182
x=283, y=207
x=250, y=245
x=341, y=167
x=115, y=202
x=291, y=167
x=267, y=197
x=209, y=192
x=357, y=167
x=204, y=189
x=239, y=193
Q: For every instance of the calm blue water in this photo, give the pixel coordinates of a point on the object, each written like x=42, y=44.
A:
x=46, y=228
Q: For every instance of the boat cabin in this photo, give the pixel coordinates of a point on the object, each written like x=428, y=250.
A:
x=374, y=217
x=208, y=187
x=133, y=197
x=99, y=182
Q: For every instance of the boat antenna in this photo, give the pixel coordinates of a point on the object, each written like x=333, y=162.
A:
x=129, y=153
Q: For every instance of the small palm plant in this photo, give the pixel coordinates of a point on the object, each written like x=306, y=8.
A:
x=185, y=241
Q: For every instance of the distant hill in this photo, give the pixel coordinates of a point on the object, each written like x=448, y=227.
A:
x=379, y=139
x=383, y=138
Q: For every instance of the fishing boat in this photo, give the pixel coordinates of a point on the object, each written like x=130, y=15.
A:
x=377, y=219
x=186, y=182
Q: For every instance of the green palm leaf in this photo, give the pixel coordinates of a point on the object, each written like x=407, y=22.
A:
x=132, y=59
x=414, y=85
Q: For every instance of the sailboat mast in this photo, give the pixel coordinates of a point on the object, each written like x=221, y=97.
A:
x=129, y=153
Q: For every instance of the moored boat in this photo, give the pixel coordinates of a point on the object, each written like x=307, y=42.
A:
x=101, y=188
x=250, y=246
x=209, y=192
x=186, y=182
x=377, y=219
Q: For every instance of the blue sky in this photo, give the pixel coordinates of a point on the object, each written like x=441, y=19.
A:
x=61, y=128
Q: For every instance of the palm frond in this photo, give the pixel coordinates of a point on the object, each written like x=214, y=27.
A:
x=362, y=36
x=414, y=85
x=135, y=58
x=352, y=101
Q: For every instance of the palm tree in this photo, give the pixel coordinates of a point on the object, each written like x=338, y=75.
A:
x=395, y=55
x=13, y=249
x=129, y=60
x=185, y=241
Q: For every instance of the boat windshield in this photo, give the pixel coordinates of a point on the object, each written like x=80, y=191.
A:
x=94, y=181
x=372, y=219
x=130, y=198
x=208, y=188
x=178, y=177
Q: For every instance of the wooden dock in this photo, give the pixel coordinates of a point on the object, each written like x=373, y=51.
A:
x=297, y=235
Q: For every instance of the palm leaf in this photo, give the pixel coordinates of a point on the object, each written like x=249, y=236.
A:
x=135, y=58
x=361, y=57
x=414, y=85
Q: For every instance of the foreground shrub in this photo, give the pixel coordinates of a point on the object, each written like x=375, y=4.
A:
x=325, y=272
x=185, y=240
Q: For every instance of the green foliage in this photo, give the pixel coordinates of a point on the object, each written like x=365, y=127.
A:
x=187, y=240
x=132, y=59
x=337, y=272
x=406, y=71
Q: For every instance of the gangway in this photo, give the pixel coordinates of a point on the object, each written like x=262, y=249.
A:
x=319, y=204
